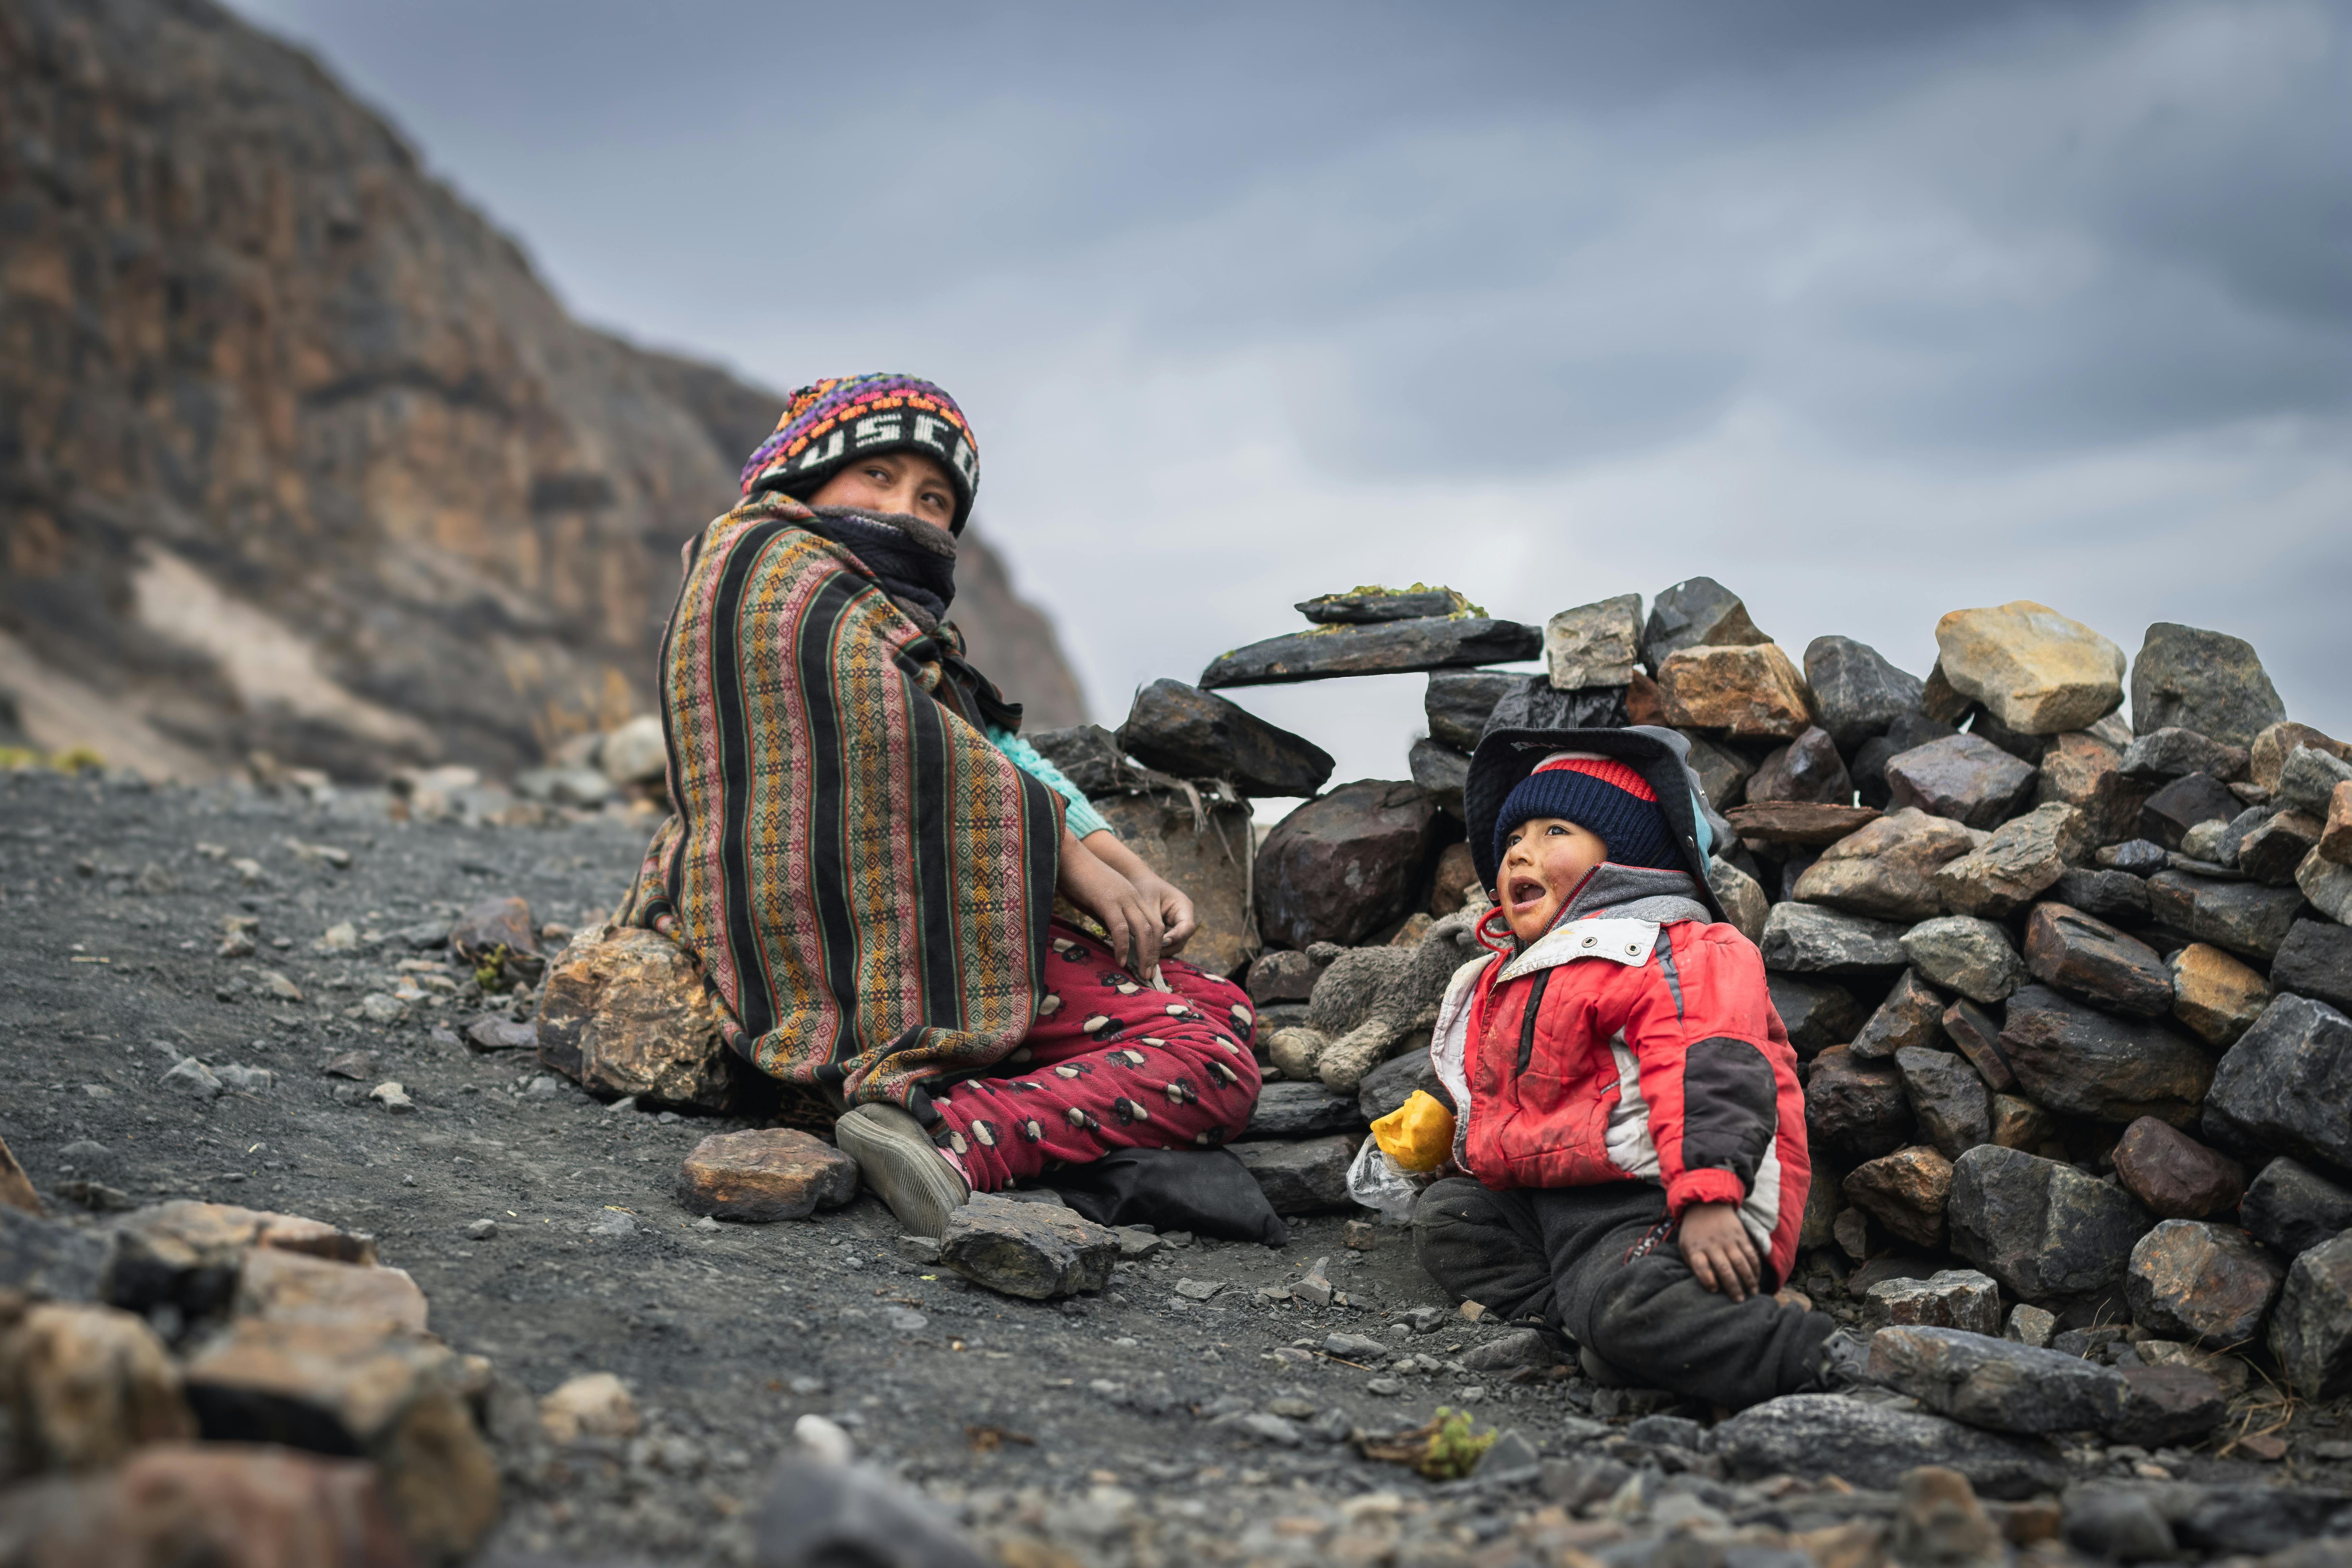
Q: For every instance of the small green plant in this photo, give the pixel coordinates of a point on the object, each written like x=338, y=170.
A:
x=77, y=760
x=1455, y=1447
x=490, y=968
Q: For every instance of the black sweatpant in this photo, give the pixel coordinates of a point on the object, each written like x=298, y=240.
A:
x=1559, y=1253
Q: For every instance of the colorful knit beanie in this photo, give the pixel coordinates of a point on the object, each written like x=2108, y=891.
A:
x=829, y=423
x=1602, y=796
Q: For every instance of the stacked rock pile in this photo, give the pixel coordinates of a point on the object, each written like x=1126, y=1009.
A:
x=2069, y=991
x=196, y=1381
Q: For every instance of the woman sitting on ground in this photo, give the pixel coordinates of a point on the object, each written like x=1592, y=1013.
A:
x=865, y=856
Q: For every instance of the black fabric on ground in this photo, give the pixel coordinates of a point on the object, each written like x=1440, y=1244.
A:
x=1560, y=1253
x=1208, y=1191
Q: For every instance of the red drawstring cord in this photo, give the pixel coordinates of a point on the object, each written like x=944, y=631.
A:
x=1504, y=941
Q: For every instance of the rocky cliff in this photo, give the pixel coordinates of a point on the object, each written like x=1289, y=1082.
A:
x=297, y=452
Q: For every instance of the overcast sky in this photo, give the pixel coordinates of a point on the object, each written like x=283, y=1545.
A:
x=1870, y=312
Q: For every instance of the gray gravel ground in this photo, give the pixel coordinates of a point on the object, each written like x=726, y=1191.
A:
x=1093, y=1424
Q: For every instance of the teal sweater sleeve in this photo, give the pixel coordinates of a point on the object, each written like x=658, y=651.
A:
x=1083, y=817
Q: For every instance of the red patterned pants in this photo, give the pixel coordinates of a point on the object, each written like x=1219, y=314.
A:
x=1109, y=1064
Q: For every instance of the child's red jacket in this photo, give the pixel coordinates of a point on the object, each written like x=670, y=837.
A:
x=1635, y=1042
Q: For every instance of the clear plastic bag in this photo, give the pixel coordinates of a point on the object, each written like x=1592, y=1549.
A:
x=1379, y=1183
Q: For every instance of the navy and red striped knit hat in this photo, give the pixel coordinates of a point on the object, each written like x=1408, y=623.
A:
x=1601, y=795
x=830, y=422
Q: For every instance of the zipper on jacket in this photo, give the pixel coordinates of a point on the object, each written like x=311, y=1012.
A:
x=1527, y=1018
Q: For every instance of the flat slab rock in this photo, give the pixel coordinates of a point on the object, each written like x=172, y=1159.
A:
x=1364, y=608
x=1035, y=1250
x=1871, y=1445
x=1302, y=1110
x=1802, y=939
x=1306, y=1177
x=1997, y=1383
x=1389, y=647
x=1802, y=823
x=766, y=1174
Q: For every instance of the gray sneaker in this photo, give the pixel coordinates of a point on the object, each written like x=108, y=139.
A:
x=1844, y=1364
x=1601, y=1371
x=895, y=1159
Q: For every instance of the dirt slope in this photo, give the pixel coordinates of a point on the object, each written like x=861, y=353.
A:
x=297, y=452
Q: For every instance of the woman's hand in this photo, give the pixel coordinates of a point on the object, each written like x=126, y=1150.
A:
x=1720, y=1251
x=1111, y=899
x=1163, y=898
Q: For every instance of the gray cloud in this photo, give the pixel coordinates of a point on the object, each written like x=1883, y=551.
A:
x=1870, y=311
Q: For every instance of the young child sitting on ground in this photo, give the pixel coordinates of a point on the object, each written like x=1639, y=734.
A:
x=1629, y=1118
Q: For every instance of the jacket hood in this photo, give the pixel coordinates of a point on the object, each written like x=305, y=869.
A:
x=1504, y=757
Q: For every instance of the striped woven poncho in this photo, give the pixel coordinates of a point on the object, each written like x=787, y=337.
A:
x=865, y=880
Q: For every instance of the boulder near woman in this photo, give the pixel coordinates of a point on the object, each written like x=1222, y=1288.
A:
x=865, y=856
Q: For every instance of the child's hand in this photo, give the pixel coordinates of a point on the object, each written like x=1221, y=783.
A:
x=1717, y=1249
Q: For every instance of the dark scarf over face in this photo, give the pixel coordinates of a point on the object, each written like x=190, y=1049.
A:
x=914, y=561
